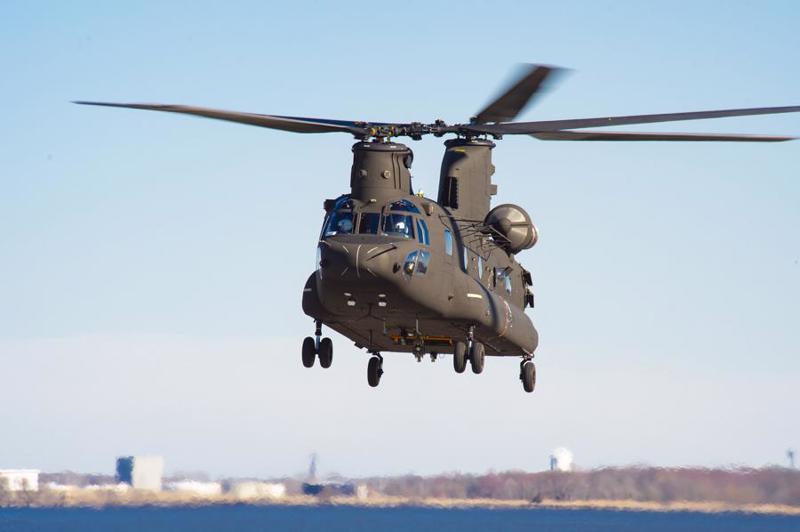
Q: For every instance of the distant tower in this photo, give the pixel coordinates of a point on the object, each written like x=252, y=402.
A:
x=141, y=472
x=561, y=459
x=790, y=456
x=312, y=468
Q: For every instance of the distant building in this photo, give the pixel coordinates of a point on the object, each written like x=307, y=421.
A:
x=19, y=479
x=111, y=488
x=561, y=460
x=258, y=490
x=325, y=488
x=195, y=487
x=141, y=472
x=329, y=488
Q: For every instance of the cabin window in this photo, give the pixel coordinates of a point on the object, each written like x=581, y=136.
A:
x=480, y=267
x=465, y=258
x=502, y=276
x=398, y=225
x=422, y=233
x=448, y=242
x=369, y=223
x=339, y=223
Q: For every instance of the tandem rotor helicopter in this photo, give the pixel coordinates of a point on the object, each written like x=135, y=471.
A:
x=399, y=272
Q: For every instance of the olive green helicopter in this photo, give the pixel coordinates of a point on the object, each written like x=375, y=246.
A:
x=400, y=272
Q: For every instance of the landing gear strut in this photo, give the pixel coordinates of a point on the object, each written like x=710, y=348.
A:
x=527, y=374
x=375, y=369
x=317, y=346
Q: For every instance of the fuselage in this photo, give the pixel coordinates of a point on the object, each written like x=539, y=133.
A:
x=406, y=275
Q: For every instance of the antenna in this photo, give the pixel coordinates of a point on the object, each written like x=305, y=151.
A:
x=312, y=468
x=790, y=456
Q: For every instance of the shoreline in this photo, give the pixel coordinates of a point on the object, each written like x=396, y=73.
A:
x=101, y=500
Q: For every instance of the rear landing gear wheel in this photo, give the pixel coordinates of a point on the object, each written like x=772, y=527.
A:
x=374, y=371
x=527, y=375
x=325, y=353
x=460, y=357
x=309, y=351
x=476, y=357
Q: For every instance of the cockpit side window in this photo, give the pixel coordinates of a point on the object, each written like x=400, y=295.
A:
x=422, y=233
x=339, y=223
x=448, y=242
x=369, y=223
x=395, y=224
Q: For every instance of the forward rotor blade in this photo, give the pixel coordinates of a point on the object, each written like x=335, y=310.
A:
x=508, y=105
x=619, y=135
x=285, y=123
x=523, y=128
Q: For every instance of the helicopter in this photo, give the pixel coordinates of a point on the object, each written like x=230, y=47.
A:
x=399, y=272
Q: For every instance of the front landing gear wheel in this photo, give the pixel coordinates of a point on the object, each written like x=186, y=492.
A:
x=325, y=353
x=309, y=351
x=460, y=357
x=374, y=371
x=527, y=375
x=476, y=357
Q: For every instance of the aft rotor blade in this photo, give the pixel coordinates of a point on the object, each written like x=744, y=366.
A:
x=508, y=105
x=619, y=135
x=285, y=123
x=523, y=128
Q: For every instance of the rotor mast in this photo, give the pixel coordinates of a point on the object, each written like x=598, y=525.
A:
x=380, y=170
x=465, y=181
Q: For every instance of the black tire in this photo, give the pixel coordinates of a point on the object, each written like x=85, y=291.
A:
x=325, y=353
x=460, y=357
x=528, y=376
x=477, y=353
x=374, y=371
x=309, y=351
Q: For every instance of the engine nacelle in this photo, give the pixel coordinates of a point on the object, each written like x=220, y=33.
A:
x=511, y=228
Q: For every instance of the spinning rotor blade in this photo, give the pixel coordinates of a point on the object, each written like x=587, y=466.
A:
x=619, y=135
x=285, y=123
x=508, y=105
x=522, y=128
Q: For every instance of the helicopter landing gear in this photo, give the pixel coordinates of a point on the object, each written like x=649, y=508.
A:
x=309, y=351
x=418, y=354
x=317, y=346
x=375, y=370
x=527, y=374
x=460, y=357
x=325, y=352
x=477, y=354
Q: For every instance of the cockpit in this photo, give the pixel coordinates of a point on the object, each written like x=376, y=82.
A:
x=399, y=218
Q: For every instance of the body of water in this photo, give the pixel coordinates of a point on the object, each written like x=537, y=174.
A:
x=244, y=518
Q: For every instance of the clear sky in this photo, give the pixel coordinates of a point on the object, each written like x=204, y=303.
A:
x=151, y=266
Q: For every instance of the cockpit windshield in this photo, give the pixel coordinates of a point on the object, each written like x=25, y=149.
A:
x=339, y=223
x=403, y=205
x=370, y=223
x=401, y=225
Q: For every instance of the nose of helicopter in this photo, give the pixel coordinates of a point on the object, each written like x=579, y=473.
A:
x=351, y=261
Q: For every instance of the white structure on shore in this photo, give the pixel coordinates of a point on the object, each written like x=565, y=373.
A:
x=19, y=479
x=195, y=487
x=258, y=490
x=561, y=459
x=141, y=472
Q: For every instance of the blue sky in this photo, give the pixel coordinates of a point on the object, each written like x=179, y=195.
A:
x=144, y=306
